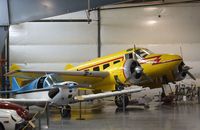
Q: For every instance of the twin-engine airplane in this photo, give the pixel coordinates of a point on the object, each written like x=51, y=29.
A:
x=135, y=66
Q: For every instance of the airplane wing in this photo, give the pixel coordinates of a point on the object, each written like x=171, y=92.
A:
x=25, y=102
x=42, y=102
x=81, y=77
x=132, y=89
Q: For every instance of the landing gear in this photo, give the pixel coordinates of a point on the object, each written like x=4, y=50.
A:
x=120, y=99
x=167, y=99
x=66, y=111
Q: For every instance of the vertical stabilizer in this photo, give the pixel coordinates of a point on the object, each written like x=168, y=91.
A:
x=15, y=85
x=68, y=66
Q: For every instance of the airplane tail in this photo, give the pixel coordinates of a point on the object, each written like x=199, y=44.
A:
x=15, y=85
x=19, y=81
x=14, y=67
x=68, y=66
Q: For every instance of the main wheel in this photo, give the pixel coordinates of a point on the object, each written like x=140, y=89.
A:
x=66, y=112
x=1, y=127
x=119, y=100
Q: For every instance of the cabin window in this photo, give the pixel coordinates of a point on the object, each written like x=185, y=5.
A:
x=117, y=61
x=40, y=82
x=96, y=68
x=129, y=56
x=106, y=66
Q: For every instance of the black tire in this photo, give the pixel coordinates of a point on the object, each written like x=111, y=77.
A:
x=66, y=112
x=1, y=127
x=119, y=100
x=146, y=106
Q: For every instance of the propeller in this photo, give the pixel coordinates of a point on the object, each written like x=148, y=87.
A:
x=135, y=57
x=186, y=68
x=136, y=72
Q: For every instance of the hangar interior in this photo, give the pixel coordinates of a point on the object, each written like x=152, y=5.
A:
x=170, y=26
x=162, y=29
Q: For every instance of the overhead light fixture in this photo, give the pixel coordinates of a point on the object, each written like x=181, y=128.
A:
x=150, y=8
x=151, y=22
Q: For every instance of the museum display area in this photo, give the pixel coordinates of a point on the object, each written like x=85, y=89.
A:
x=91, y=64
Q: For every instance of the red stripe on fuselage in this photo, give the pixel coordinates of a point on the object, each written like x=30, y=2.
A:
x=101, y=63
x=166, y=61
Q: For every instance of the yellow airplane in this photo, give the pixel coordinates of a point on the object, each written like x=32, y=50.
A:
x=134, y=66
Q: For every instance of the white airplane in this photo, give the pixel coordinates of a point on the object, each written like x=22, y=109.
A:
x=51, y=89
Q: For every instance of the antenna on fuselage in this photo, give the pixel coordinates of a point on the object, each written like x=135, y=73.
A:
x=181, y=52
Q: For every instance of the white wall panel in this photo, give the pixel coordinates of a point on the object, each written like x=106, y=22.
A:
x=178, y=23
x=52, y=53
x=35, y=44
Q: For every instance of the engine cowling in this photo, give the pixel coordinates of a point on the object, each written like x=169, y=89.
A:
x=180, y=72
x=62, y=95
x=133, y=71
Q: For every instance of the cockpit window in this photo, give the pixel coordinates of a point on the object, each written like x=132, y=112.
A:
x=55, y=78
x=40, y=82
x=143, y=52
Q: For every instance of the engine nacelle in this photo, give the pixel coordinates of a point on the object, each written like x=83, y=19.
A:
x=63, y=95
x=179, y=72
x=132, y=71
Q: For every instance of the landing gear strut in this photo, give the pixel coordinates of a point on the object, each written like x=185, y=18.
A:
x=121, y=100
x=66, y=111
x=167, y=99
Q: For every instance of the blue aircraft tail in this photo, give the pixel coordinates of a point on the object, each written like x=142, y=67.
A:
x=15, y=85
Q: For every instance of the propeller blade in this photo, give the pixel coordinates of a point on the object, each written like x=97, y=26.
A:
x=135, y=57
x=186, y=68
x=192, y=76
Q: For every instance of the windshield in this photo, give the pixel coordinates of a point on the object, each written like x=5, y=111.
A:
x=55, y=78
x=143, y=52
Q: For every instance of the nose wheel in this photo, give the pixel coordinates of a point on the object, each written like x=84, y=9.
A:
x=66, y=111
x=121, y=100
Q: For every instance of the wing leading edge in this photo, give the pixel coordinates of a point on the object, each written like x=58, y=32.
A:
x=81, y=77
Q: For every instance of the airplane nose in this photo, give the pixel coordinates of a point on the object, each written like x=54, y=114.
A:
x=173, y=58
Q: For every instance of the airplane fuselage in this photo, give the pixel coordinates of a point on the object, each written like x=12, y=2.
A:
x=158, y=67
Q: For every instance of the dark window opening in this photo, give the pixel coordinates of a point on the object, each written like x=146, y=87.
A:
x=129, y=56
x=96, y=68
x=106, y=66
x=117, y=61
x=40, y=82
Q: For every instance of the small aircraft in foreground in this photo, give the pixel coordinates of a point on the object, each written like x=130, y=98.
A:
x=134, y=66
x=50, y=89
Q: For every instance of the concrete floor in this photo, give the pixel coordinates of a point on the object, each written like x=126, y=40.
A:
x=171, y=117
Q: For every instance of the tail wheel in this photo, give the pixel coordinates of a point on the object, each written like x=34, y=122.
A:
x=119, y=100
